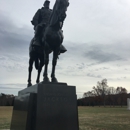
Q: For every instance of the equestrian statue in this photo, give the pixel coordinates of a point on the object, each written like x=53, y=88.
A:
x=48, y=38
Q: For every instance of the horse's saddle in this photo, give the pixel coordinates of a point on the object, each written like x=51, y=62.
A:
x=34, y=46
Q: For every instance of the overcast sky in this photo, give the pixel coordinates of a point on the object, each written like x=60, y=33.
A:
x=97, y=38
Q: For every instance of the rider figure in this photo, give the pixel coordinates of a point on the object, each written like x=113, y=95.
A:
x=40, y=21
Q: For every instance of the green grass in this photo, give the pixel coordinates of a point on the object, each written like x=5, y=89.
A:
x=5, y=117
x=90, y=118
x=100, y=118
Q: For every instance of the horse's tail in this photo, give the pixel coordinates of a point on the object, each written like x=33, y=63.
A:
x=36, y=63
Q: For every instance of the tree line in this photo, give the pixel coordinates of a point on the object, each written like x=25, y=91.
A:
x=102, y=94
x=6, y=99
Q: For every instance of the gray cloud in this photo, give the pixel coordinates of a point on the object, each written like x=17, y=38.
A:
x=104, y=68
x=118, y=51
x=101, y=56
x=17, y=42
x=14, y=44
x=13, y=39
x=97, y=41
x=12, y=86
x=93, y=75
x=9, y=88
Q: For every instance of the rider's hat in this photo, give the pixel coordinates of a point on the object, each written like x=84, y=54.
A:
x=47, y=1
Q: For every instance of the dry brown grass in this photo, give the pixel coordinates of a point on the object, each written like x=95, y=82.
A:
x=90, y=118
x=5, y=117
x=100, y=118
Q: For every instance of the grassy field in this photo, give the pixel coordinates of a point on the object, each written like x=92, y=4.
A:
x=90, y=118
x=100, y=118
x=5, y=117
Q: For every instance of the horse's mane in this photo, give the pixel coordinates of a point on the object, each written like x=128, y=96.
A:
x=55, y=13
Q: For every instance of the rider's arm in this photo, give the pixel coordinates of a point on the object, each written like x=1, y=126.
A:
x=35, y=19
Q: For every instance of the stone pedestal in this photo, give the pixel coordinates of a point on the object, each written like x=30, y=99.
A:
x=46, y=106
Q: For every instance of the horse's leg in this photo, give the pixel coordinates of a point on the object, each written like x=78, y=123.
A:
x=54, y=62
x=30, y=70
x=46, y=60
x=40, y=68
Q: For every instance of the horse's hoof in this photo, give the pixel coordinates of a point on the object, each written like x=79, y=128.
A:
x=46, y=79
x=54, y=80
x=37, y=81
x=29, y=85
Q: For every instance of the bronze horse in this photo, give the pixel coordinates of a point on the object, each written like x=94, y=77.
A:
x=36, y=54
x=53, y=36
x=51, y=41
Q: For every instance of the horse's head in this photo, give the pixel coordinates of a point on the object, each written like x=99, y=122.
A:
x=59, y=11
x=62, y=8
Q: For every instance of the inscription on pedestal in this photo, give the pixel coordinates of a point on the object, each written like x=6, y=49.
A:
x=57, y=108
x=51, y=106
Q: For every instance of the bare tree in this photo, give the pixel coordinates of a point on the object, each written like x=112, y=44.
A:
x=102, y=94
x=101, y=90
x=87, y=94
x=121, y=95
x=88, y=97
x=111, y=96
